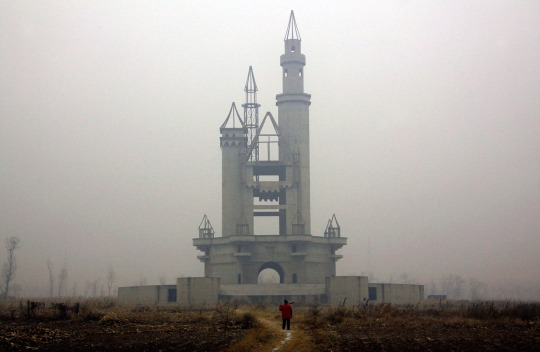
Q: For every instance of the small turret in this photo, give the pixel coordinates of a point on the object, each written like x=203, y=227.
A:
x=292, y=60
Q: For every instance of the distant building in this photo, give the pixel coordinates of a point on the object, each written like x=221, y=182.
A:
x=266, y=173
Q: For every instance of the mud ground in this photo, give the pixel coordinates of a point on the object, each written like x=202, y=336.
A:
x=230, y=329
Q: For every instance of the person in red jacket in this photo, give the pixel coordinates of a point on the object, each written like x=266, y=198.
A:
x=286, y=314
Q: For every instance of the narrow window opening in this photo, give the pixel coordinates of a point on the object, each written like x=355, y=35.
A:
x=372, y=293
x=171, y=295
x=285, y=73
x=239, y=278
x=294, y=279
x=293, y=49
x=239, y=249
x=293, y=248
x=300, y=73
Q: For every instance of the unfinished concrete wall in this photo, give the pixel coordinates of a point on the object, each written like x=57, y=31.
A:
x=152, y=294
x=352, y=290
x=395, y=293
x=274, y=293
x=302, y=259
x=283, y=290
x=197, y=291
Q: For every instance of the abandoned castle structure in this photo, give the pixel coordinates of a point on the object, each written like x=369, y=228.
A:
x=266, y=173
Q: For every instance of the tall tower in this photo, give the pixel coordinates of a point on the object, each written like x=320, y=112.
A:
x=293, y=113
x=233, y=144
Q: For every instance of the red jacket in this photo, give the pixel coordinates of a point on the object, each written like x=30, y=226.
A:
x=286, y=311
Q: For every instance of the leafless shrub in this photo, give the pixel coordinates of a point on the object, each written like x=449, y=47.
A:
x=489, y=310
x=313, y=318
x=33, y=307
x=141, y=309
x=248, y=321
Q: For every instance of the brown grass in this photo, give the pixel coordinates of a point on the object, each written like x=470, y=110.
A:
x=299, y=343
x=258, y=339
x=232, y=328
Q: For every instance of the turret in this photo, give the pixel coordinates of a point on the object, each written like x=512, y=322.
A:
x=293, y=61
x=233, y=144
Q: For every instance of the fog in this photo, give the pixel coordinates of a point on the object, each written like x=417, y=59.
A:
x=424, y=127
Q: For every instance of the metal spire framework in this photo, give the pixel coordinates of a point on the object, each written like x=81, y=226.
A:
x=292, y=29
x=232, y=118
x=251, y=114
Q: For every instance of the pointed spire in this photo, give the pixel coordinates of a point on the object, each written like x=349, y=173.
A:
x=292, y=29
x=332, y=228
x=251, y=111
x=251, y=86
x=233, y=112
x=255, y=141
x=205, y=228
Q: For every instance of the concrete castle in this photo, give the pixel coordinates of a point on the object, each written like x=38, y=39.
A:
x=266, y=173
x=270, y=168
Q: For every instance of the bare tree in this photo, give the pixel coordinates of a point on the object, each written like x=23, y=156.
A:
x=16, y=290
x=476, y=288
x=453, y=285
x=94, y=287
x=74, y=290
x=91, y=288
x=87, y=288
x=459, y=287
x=433, y=288
x=50, y=269
x=10, y=267
x=62, y=276
x=111, y=278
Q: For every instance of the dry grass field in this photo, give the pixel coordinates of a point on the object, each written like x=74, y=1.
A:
x=101, y=325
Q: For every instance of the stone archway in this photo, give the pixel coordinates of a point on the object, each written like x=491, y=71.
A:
x=273, y=266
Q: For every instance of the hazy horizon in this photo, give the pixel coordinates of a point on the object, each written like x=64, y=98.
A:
x=424, y=134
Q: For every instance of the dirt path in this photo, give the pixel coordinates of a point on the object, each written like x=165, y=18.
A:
x=273, y=325
x=294, y=340
x=274, y=340
x=270, y=337
x=288, y=336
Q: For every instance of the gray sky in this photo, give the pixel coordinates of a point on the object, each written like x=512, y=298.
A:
x=425, y=132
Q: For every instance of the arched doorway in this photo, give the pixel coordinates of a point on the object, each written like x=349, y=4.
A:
x=271, y=273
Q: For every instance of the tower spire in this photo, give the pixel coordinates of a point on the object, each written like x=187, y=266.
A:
x=251, y=112
x=292, y=28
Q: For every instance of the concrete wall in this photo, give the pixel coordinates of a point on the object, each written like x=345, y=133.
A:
x=397, y=293
x=274, y=293
x=273, y=290
x=197, y=291
x=352, y=290
x=154, y=294
x=311, y=259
